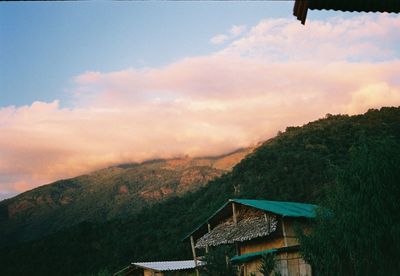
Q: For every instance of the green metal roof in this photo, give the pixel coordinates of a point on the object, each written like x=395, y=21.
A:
x=285, y=209
x=251, y=256
x=255, y=255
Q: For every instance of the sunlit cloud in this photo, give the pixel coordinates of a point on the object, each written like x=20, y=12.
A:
x=363, y=37
x=234, y=32
x=275, y=74
x=219, y=39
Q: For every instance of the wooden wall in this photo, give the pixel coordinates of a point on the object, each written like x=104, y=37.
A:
x=288, y=264
x=262, y=245
x=148, y=272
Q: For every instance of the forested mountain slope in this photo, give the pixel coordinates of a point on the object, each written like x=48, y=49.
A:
x=106, y=194
x=296, y=165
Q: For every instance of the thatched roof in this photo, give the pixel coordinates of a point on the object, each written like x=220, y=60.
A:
x=249, y=226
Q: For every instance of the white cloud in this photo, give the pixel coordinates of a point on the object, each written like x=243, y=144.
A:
x=365, y=37
x=234, y=32
x=237, y=30
x=219, y=39
x=370, y=96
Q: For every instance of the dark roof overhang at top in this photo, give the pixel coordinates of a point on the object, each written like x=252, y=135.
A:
x=280, y=208
x=302, y=6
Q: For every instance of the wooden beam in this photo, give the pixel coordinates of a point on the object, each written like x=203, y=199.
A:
x=300, y=9
x=193, y=250
x=304, y=10
x=234, y=213
x=209, y=230
x=284, y=232
x=286, y=267
x=194, y=255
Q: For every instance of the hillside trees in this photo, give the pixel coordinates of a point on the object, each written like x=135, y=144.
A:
x=358, y=231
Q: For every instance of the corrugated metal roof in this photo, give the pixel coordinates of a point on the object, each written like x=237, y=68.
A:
x=301, y=6
x=169, y=265
x=251, y=256
x=254, y=255
x=286, y=209
x=356, y=5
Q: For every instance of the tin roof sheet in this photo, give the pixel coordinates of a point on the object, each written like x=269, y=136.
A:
x=286, y=209
x=356, y=5
x=169, y=265
x=302, y=6
x=255, y=255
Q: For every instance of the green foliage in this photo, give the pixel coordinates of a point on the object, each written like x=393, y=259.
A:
x=268, y=264
x=218, y=261
x=358, y=231
x=295, y=166
x=103, y=272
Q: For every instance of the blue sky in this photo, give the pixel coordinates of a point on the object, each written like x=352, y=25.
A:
x=44, y=45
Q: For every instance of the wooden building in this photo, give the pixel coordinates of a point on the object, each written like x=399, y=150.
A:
x=301, y=7
x=173, y=268
x=257, y=227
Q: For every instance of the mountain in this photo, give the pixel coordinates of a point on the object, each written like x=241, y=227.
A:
x=296, y=165
x=106, y=194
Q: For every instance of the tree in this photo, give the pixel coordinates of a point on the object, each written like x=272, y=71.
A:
x=268, y=264
x=357, y=232
x=217, y=261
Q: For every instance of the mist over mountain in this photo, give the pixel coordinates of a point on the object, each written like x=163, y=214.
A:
x=110, y=193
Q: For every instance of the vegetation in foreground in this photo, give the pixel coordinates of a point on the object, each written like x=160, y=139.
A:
x=358, y=231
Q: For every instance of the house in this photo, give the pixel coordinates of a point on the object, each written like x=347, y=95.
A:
x=257, y=227
x=302, y=6
x=181, y=268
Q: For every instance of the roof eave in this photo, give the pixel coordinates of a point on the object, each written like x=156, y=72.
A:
x=240, y=201
x=206, y=221
x=144, y=267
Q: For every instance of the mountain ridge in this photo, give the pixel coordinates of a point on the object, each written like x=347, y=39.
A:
x=108, y=193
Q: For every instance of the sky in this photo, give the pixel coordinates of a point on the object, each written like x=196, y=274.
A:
x=86, y=85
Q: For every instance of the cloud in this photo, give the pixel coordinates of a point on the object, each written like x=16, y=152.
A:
x=235, y=31
x=219, y=39
x=370, y=96
x=204, y=105
x=363, y=37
